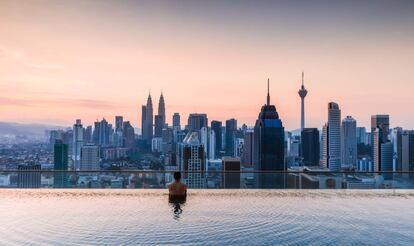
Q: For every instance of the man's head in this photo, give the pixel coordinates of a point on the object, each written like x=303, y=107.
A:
x=177, y=176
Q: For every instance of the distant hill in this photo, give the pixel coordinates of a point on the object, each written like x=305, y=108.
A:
x=30, y=130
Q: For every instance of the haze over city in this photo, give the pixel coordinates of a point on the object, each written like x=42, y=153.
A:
x=62, y=60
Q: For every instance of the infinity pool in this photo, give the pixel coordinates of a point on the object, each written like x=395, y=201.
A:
x=213, y=217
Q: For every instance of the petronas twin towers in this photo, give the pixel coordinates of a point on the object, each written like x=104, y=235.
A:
x=147, y=120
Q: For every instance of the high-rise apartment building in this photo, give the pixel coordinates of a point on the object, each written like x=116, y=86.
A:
x=331, y=139
x=90, y=158
x=192, y=160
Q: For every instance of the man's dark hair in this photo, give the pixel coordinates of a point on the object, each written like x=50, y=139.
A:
x=177, y=175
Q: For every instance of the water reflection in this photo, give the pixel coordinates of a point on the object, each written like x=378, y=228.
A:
x=177, y=202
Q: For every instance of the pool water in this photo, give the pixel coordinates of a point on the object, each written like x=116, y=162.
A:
x=213, y=217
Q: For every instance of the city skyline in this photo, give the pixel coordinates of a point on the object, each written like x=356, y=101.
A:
x=97, y=65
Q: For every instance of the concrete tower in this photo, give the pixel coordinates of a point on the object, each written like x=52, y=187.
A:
x=302, y=93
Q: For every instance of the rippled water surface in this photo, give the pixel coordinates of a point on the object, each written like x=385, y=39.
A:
x=214, y=217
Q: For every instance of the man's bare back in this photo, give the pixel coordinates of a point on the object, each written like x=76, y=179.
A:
x=177, y=188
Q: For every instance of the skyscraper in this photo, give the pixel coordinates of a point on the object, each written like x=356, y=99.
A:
x=119, y=121
x=331, y=136
x=90, y=157
x=208, y=140
x=269, y=139
x=87, y=136
x=77, y=143
x=147, y=121
x=247, y=155
x=231, y=128
x=118, y=134
x=128, y=135
x=349, y=142
x=405, y=152
x=159, y=122
x=196, y=122
x=60, y=164
x=211, y=145
x=102, y=133
x=161, y=108
x=192, y=159
x=387, y=159
x=158, y=126
x=302, y=93
x=309, y=147
x=176, y=121
x=361, y=135
x=216, y=128
x=379, y=134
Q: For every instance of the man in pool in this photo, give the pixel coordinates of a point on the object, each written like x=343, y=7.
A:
x=177, y=189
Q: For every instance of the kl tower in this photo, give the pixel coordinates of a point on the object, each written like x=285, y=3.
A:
x=302, y=93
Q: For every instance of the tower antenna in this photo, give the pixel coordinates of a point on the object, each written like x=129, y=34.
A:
x=268, y=93
x=303, y=75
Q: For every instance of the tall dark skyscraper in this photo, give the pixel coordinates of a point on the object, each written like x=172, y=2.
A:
x=309, y=147
x=231, y=128
x=216, y=127
x=269, y=140
x=196, y=122
x=159, y=122
x=147, y=121
x=60, y=164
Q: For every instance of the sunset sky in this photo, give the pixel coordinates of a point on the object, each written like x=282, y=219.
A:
x=62, y=60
